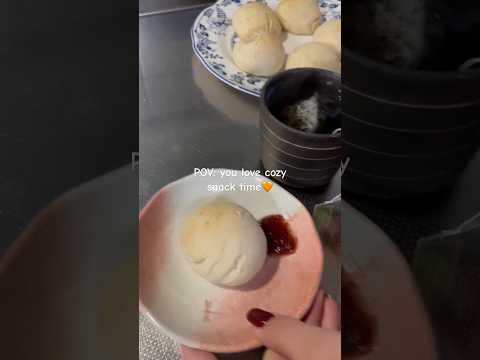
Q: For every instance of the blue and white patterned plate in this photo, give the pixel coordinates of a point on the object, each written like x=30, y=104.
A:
x=213, y=39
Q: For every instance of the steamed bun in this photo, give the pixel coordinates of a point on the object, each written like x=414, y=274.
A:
x=315, y=55
x=330, y=33
x=300, y=17
x=255, y=17
x=224, y=243
x=264, y=55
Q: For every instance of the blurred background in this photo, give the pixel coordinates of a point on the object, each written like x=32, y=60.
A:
x=150, y=7
x=68, y=109
x=68, y=215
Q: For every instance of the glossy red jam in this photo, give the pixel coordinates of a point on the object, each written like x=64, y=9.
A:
x=280, y=239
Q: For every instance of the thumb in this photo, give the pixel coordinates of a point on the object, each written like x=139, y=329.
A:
x=293, y=339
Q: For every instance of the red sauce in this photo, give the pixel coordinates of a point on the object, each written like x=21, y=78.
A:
x=359, y=327
x=280, y=239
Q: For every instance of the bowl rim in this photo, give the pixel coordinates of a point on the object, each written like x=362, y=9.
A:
x=266, y=132
x=420, y=131
x=252, y=343
x=421, y=156
x=275, y=148
x=399, y=179
x=290, y=72
x=295, y=168
x=411, y=74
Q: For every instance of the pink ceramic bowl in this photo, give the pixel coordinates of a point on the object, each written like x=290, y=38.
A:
x=199, y=314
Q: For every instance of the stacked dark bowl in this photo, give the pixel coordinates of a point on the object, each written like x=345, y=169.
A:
x=406, y=133
x=310, y=159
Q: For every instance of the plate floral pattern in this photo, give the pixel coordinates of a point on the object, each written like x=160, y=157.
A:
x=213, y=39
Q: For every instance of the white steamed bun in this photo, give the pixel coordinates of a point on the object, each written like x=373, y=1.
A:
x=253, y=18
x=224, y=243
x=330, y=33
x=300, y=17
x=314, y=55
x=264, y=55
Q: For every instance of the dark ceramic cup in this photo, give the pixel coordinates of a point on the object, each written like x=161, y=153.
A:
x=309, y=159
x=412, y=136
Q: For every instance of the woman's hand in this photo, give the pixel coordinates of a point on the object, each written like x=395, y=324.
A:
x=318, y=338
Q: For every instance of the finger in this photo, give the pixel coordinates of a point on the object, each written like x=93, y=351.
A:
x=272, y=355
x=194, y=354
x=291, y=338
x=330, y=315
x=315, y=314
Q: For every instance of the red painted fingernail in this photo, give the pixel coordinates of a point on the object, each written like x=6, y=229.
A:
x=259, y=317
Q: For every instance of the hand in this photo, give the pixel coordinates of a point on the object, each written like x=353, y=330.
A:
x=318, y=338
